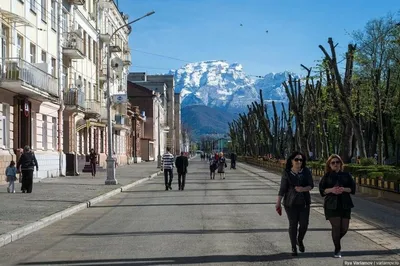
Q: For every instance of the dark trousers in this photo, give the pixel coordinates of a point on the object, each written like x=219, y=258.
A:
x=171, y=176
x=27, y=181
x=233, y=164
x=93, y=167
x=298, y=217
x=181, y=180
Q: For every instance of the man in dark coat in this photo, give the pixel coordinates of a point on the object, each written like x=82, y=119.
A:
x=27, y=163
x=181, y=164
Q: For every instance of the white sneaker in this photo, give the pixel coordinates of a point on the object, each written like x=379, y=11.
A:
x=14, y=191
x=338, y=255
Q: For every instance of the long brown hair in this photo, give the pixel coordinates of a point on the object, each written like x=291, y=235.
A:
x=328, y=163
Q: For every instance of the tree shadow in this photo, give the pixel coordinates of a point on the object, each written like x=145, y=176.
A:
x=183, y=204
x=199, y=232
x=210, y=259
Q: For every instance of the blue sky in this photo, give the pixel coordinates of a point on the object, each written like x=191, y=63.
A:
x=198, y=30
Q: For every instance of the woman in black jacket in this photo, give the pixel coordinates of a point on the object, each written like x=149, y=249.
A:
x=296, y=183
x=27, y=163
x=336, y=186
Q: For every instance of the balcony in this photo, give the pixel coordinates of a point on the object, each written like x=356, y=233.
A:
x=103, y=72
x=103, y=112
x=77, y=2
x=127, y=58
x=73, y=46
x=74, y=100
x=122, y=122
x=105, y=33
x=24, y=78
x=116, y=45
x=92, y=109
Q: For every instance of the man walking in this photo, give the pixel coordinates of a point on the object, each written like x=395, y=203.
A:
x=181, y=164
x=167, y=162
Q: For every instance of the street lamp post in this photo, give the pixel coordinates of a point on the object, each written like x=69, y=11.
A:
x=159, y=136
x=110, y=160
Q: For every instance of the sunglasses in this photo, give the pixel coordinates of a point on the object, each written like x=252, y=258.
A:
x=298, y=159
x=335, y=162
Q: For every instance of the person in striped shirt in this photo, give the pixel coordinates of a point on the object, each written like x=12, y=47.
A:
x=167, y=162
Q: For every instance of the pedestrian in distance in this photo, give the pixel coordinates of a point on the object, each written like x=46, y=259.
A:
x=221, y=165
x=336, y=186
x=181, y=163
x=233, y=160
x=93, y=161
x=27, y=163
x=11, y=175
x=167, y=162
x=213, y=165
x=296, y=183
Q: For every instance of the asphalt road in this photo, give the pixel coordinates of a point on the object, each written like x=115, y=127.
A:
x=213, y=222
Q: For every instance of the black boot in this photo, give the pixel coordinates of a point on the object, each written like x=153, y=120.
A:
x=294, y=251
x=301, y=245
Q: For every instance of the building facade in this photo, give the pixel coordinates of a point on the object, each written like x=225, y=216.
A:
x=30, y=109
x=153, y=139
x=53, y=79
x=165, y=86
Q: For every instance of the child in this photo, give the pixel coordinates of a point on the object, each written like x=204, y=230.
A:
x=11, y=173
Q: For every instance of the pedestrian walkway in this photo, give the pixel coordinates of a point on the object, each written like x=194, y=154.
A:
x=52, y=195
x=372, y=218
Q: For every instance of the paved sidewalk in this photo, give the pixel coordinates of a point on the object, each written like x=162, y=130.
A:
x=52, y=195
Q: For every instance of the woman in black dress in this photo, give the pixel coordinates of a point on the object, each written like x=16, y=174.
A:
x=295, y=187
x=336, y=186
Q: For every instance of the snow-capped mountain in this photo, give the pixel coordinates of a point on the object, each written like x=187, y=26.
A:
x=226, y=86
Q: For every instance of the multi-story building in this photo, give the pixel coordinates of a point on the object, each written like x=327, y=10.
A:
x=154, y=132
x=88, y=27
x=53, y=81
x=30, y=90
x=165, y=86
x=116, y=43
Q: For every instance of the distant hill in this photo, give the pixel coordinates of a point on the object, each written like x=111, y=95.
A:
x=203, y=120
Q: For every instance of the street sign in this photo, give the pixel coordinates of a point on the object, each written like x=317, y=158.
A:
x=120, y=98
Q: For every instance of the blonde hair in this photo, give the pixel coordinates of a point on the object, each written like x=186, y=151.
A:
x=328, y=163
x=221, y=154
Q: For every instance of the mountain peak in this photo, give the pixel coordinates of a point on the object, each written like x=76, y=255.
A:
x=224, y=85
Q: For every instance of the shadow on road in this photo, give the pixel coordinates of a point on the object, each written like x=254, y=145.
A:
x=209, y=259
x=201, y=232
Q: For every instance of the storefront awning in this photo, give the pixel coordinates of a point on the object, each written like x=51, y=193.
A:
x=10, y=18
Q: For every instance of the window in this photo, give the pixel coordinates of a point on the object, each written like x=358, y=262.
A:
x=102, y=141
x=4, y=41
x=44, y=132
x=4, y=126
x=85, y=88
x=44, y=10
x=53, y=67
x=90, y=89
x=65, y=78
x=84, y=43
x=33, y=53
x=89, y=48
x=33, y=6
x=54, y=133
x=94, y=52
x=64, y=21
x=96, y=93
x=20, y=47
x=54, y=16
x=44, y=56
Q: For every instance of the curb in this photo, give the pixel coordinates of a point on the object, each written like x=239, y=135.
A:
x=18, y=233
